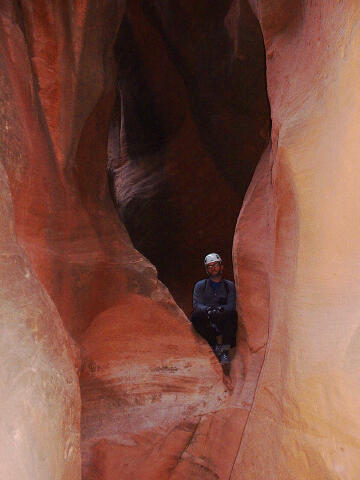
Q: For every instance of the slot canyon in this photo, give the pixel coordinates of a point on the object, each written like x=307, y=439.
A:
x=135, y=138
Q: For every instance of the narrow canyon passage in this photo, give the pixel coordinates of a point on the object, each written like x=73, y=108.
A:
x=190, y=124
x=102, y=376
x=179, y=192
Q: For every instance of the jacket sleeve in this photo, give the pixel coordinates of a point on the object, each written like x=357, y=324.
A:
x=231, y=298
x=198, y=298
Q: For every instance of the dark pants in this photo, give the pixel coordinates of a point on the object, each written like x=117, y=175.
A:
x=227, y=325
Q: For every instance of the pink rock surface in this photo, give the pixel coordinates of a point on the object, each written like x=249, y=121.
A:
x=154, y=401
x=57, y=84
x=145, y=379
x=59, y=81
x=39, y=393
x=304, y=422
x=40, y=397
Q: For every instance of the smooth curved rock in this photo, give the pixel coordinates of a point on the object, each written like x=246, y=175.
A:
x=155, y=404
x=39, y=394
x=145, y=380
x=305, y=409
x=59, y=92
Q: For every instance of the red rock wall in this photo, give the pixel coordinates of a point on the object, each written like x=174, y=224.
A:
x=39, y=394
x=71, y=67
x=40, y=397
x=154, y=401
x=146, y=379
x=304, y=422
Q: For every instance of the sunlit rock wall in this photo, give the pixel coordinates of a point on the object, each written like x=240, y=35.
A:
x=305, y=420
x=39, y=388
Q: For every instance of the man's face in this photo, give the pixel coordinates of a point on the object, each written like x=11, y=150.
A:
x=214, y=269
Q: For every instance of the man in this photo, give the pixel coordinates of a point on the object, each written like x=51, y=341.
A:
x=214, y=316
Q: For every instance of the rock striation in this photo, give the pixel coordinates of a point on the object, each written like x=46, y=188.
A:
x=40, y=396
x=77, y=271
x=305, y=407
x=87, y=328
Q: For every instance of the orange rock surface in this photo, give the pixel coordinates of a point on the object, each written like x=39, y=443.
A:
x=145, y=382
x=79, y=301
x=141, y=361
x=39, y=394
x=304, y=423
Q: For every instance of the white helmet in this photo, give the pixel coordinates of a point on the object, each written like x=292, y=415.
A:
x=212, y=257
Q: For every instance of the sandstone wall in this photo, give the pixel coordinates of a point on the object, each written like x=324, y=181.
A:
x=39, y=393
x=304, y=422
x=154, y=401
x=145, y=377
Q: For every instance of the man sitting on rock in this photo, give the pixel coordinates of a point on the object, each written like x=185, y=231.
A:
x=214, y=316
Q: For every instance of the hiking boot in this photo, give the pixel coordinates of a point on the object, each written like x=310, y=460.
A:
x=224, y=358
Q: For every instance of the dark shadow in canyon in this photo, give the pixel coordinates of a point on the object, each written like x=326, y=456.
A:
x=189, y=126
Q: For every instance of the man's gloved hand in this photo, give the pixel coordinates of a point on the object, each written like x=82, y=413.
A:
x=214, y=313
x=215, y=308
x=211, y=312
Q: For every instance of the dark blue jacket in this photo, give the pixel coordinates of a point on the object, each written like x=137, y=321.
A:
x=205, y=296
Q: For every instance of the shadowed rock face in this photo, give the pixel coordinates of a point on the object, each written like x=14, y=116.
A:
x=191, y=123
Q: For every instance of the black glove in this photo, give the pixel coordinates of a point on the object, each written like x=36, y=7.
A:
x=214, y=309
x=212, y=312
x=214, y=315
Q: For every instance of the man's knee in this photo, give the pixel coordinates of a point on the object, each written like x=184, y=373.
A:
x=230, y=316
x=198, y=317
